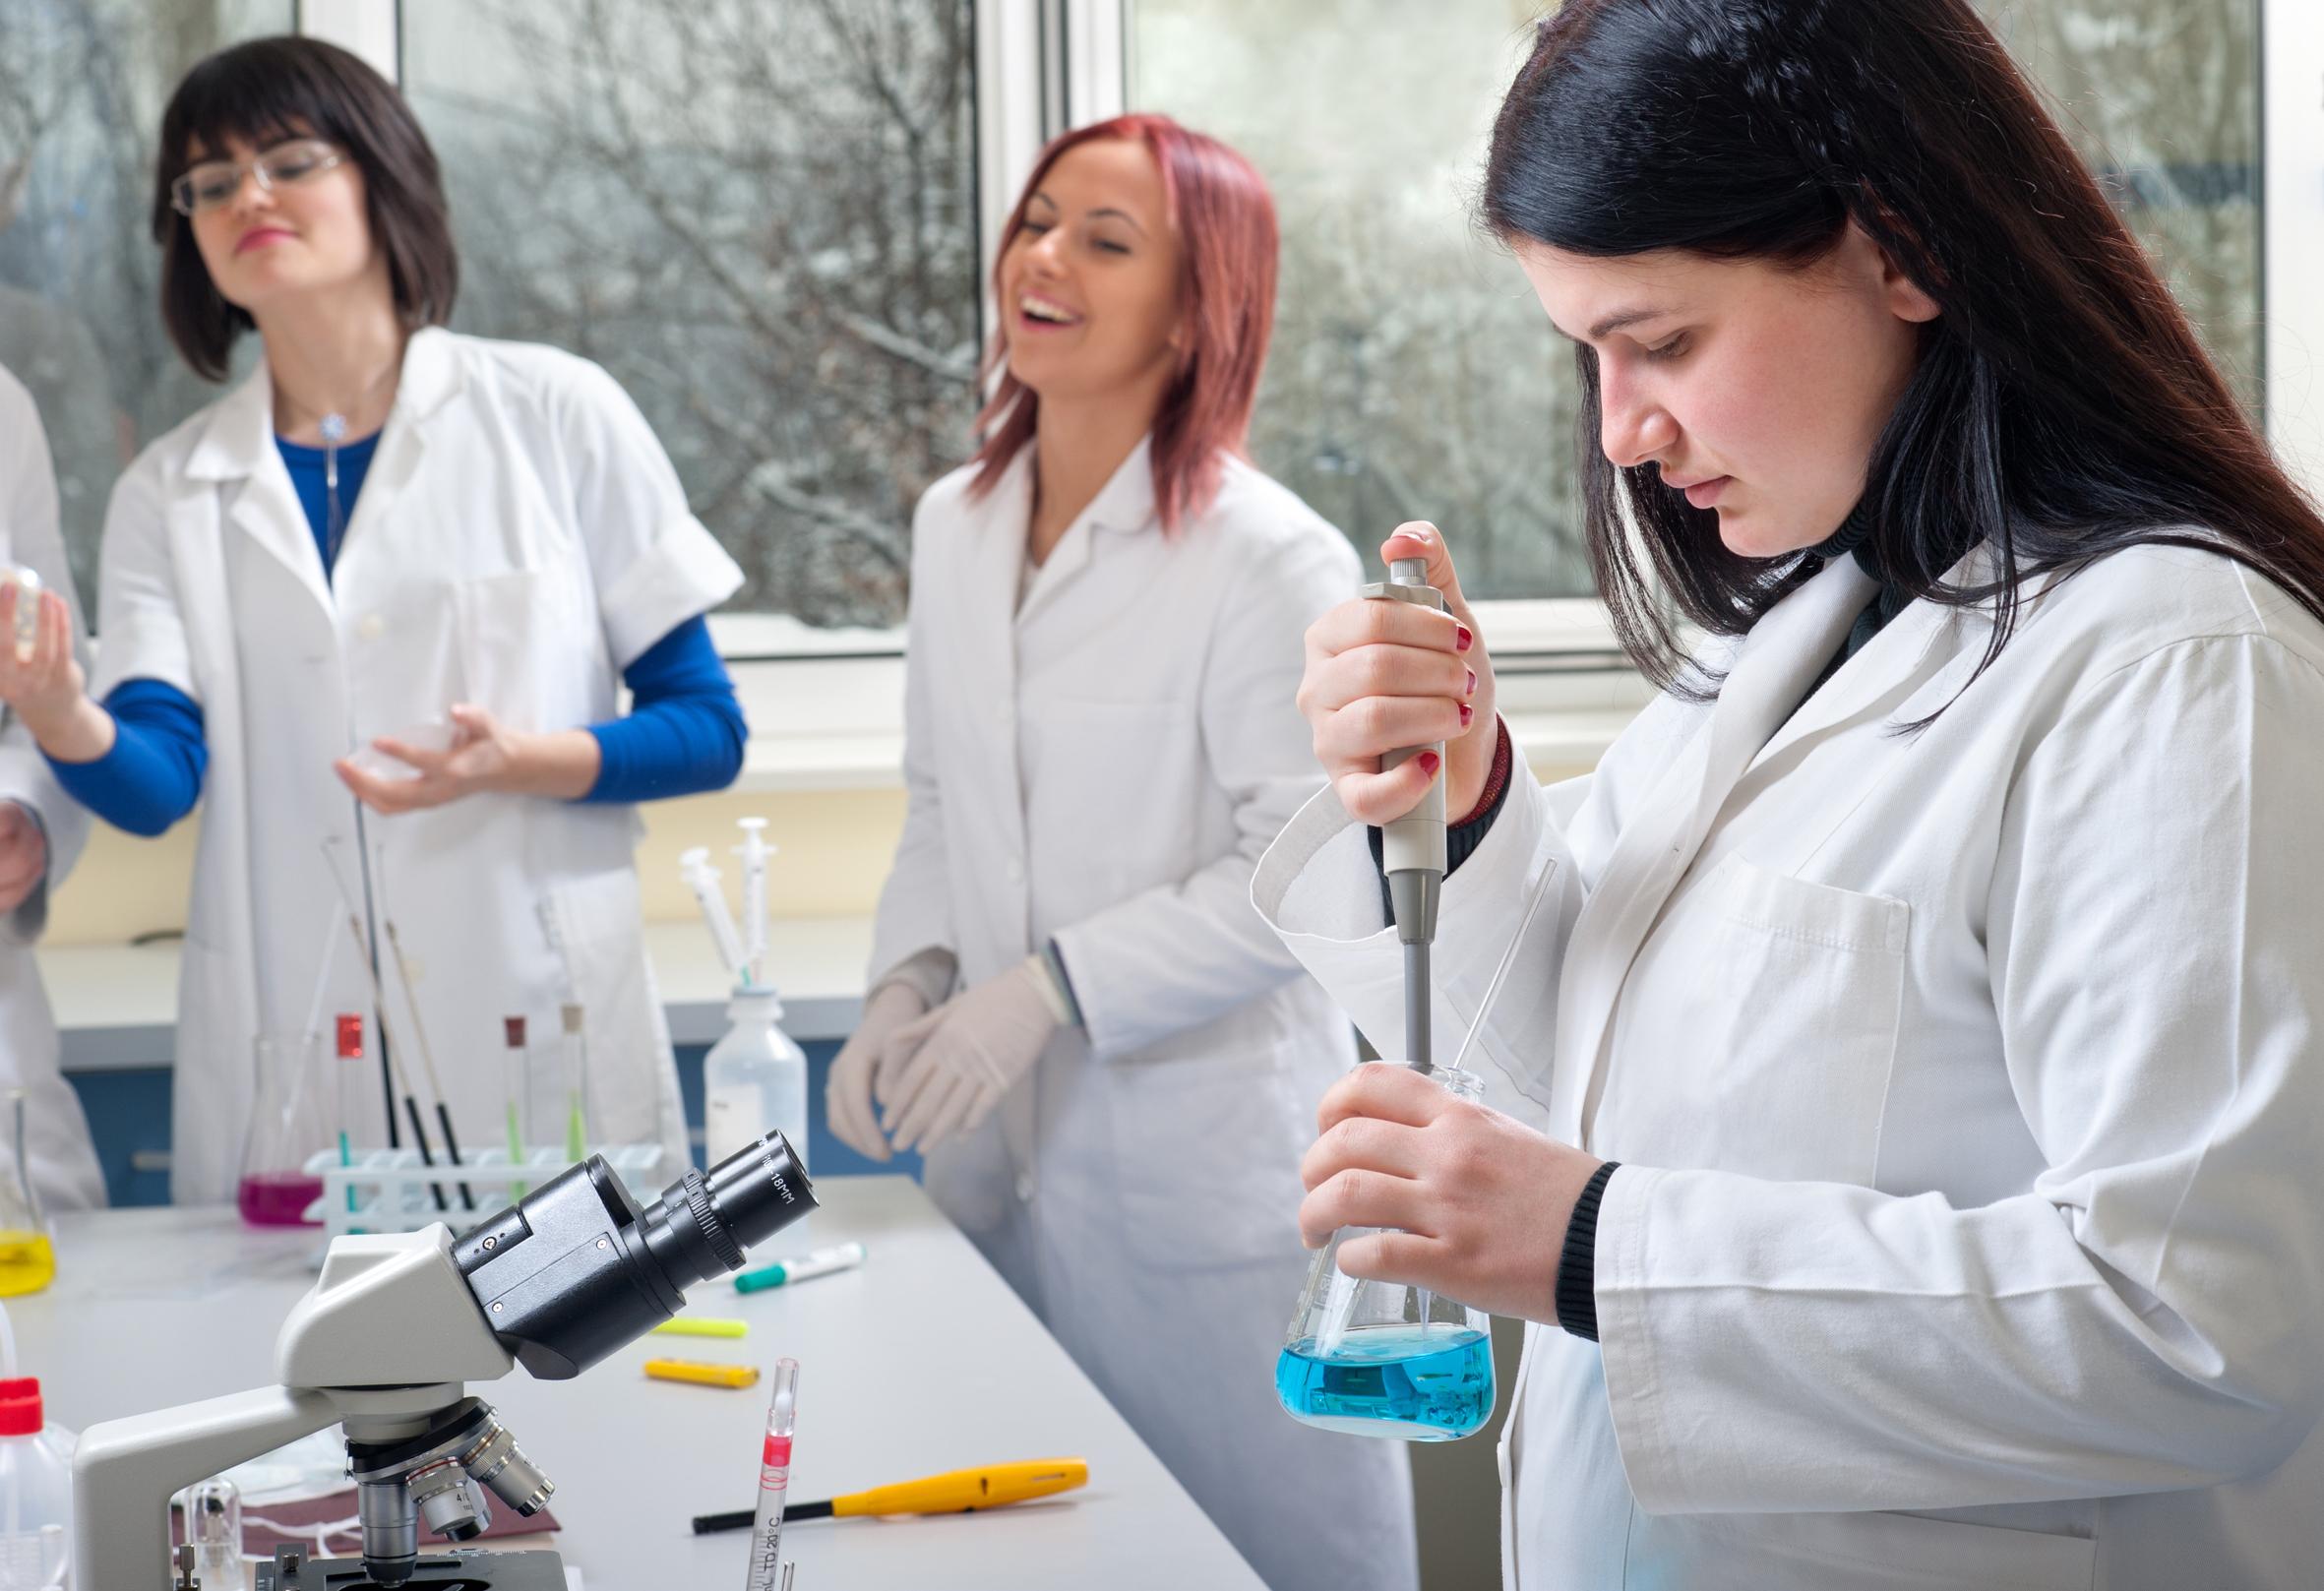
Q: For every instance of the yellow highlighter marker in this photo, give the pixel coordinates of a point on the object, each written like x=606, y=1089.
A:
x=698, y=1326
x=695, y=1371
x=960, y=1491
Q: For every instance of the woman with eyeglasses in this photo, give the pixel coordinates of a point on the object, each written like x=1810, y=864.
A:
x=371, y=610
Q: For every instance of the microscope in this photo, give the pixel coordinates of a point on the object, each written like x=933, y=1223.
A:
x=382, y=1345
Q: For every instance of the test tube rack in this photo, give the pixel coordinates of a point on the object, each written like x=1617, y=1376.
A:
x=395, y=1191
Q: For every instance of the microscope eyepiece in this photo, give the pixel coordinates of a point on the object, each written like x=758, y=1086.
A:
x=578, y=1269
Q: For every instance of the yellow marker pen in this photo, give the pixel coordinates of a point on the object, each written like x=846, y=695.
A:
x=698, y=1326
x=733, y=1377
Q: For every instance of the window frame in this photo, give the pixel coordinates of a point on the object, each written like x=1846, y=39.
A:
x=1046, y=65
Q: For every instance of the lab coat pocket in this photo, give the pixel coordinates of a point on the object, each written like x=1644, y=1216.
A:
x=526, y=652
x=1757, y=1028
x=1850, y=1552
x=1207, y=1152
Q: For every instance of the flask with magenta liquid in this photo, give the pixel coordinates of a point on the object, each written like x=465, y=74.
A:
x=1381, y=1359
x=290, y=1123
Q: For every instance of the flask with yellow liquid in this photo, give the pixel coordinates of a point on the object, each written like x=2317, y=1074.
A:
x=27, y=1259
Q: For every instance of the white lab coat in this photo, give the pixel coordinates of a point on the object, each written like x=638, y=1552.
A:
x=1103, y=765
x=57, y=1134
x=520, y=538
x=1968, y=1088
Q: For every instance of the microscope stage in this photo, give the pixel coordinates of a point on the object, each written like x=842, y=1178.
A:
x=458, y=1570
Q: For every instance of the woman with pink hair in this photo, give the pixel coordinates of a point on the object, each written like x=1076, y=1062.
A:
x=1075, y=1013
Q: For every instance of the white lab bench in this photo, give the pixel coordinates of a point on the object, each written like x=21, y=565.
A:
x=116, y=1005
x=917, y=1362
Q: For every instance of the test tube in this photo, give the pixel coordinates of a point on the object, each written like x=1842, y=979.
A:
x=775, y=1479
x=27, y=609
x=349, y=1032
x=576, y=1079
x=514, y=1088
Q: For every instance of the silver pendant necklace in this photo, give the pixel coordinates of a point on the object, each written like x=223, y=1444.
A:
x=334, y=522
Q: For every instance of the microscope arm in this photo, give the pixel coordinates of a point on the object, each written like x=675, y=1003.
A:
x=127, y=1470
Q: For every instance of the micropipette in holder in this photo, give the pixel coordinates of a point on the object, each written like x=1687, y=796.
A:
x=775, y=1479
x=755, y=852
x=695, y=867
x=1412, y=848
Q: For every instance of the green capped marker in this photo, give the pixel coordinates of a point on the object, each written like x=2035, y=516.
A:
x=805, y=1267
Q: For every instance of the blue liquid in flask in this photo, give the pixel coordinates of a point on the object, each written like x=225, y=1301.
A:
x=1422, y=1383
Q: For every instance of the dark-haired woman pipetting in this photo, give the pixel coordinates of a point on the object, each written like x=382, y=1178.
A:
x=387, y=527
x=1926, y=998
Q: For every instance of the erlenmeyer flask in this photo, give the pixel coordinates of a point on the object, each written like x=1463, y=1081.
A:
x=1380, y=1359
x=27, y=1259
x=291, y=1124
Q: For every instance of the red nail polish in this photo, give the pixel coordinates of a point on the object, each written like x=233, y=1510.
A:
x=1431, y=761
x=1472, y=690
x=1465, y=640
x=1466, y=713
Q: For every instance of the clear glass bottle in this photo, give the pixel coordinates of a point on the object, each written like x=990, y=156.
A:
x=1381, y=1359
x=753, y=1080
x=289, y=1124
x=28, y=1253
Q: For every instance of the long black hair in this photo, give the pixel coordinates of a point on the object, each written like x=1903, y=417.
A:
x=2061, y=408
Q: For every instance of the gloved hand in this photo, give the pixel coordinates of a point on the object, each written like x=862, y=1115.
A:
x=847, y=1096
x=945, y=1073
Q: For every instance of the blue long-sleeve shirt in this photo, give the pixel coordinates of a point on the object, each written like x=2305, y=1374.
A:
x=684, y=733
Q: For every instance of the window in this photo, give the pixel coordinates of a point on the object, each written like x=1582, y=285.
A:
x=763, y=221
x=2162, y=99
x=1412, y=373
x=82, y=87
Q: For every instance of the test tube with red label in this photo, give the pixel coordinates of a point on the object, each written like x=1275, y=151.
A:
x=775, y=1479
x=351, y=1050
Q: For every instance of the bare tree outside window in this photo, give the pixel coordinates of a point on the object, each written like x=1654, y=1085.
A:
x=761, y=219
x=82, y=87
x=1413, y=375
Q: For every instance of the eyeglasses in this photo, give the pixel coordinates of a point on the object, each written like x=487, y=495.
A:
x=214, y=183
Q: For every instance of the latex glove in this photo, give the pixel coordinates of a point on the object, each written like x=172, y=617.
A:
x=847, y=1095
x=964, y=1056
x=1478, y=1201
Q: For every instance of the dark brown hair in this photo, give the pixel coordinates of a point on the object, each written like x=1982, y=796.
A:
x=274, y=89
x=2061, y=408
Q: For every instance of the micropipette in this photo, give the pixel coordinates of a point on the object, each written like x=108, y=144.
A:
x=754, y=851
x=695, y=866
x=774, y=1478
x=1412, y=848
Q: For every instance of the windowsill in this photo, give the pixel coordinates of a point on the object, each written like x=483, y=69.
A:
x=842, y=719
